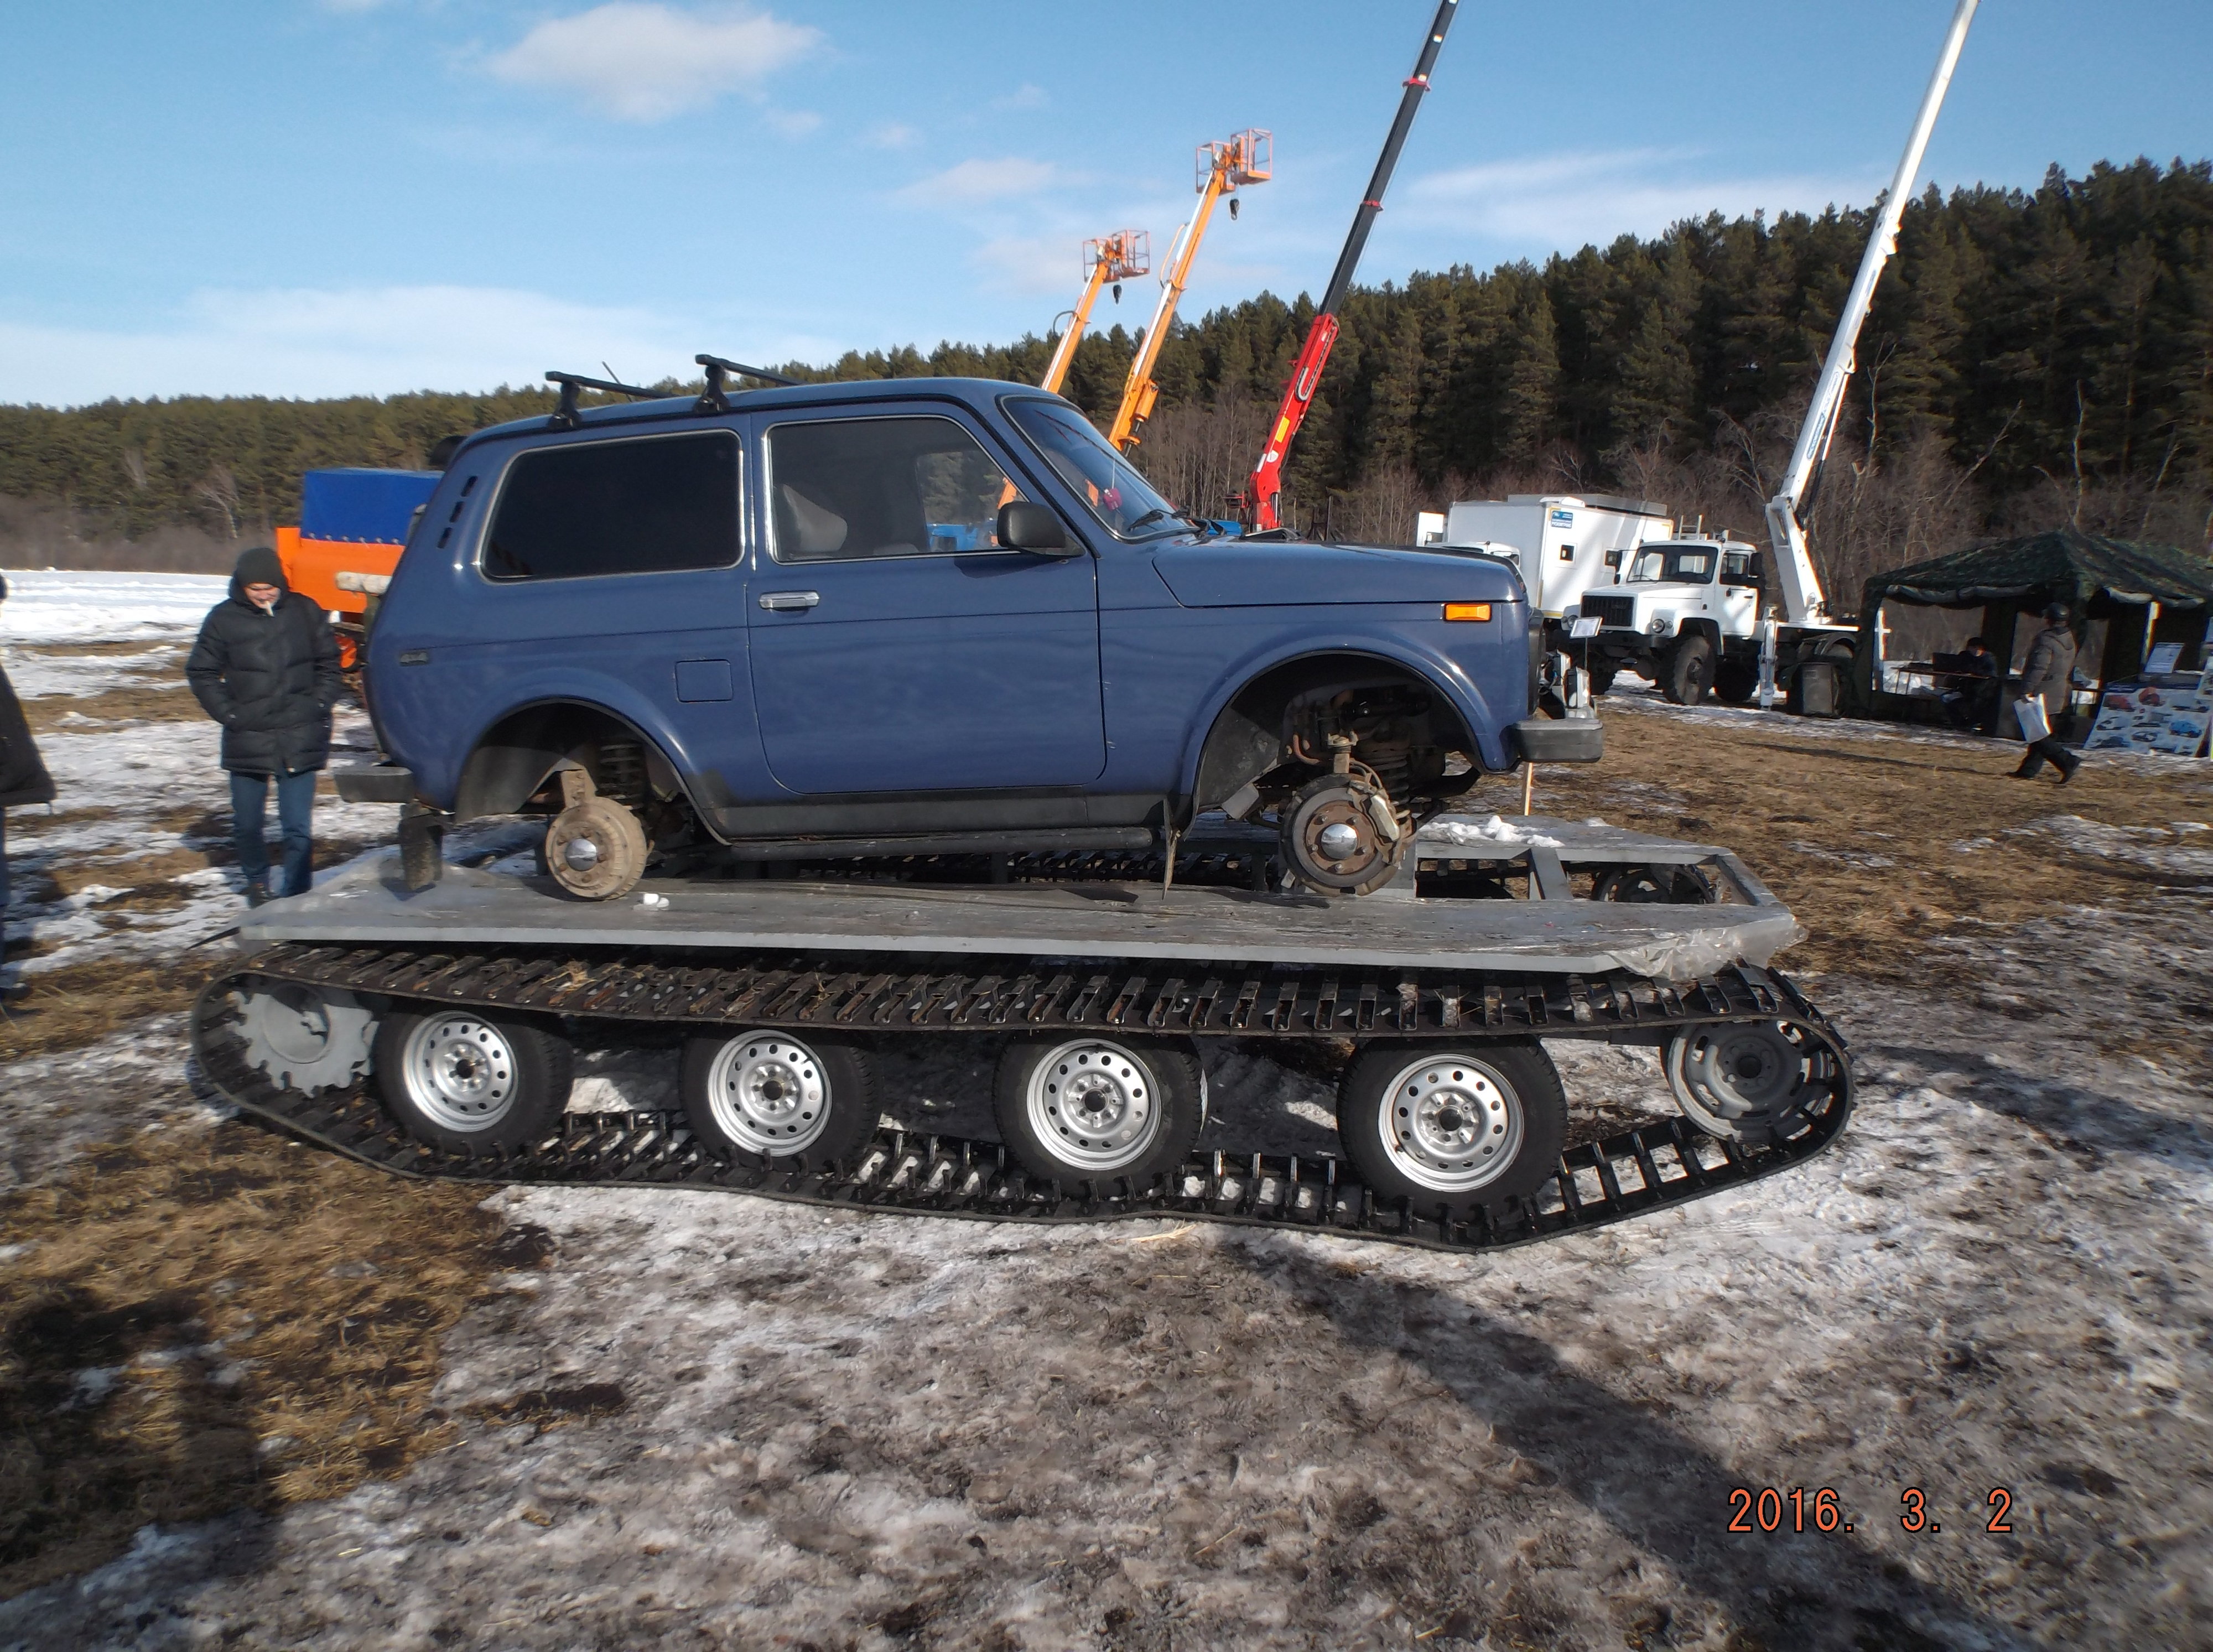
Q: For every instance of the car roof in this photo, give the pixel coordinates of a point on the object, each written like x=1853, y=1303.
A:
x=678, y=410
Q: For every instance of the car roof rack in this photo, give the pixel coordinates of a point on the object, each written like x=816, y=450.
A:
x=565, y=417
x=715, y=399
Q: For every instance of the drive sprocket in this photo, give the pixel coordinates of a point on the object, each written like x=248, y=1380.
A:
x=304, y=1037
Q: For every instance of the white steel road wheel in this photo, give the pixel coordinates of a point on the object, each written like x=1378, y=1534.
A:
x=1076, y=1109
x=472, y=1080
x=1741, y=1081
x=1455, y=1126
x=779, y=1097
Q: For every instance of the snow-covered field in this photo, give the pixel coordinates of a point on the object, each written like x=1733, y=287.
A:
x=711, y=1421
x=46, y=605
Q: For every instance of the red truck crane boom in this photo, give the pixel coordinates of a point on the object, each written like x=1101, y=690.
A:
x=1261, y=496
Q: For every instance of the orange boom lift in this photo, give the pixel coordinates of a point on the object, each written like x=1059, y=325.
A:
x=1224, y=168
x=1120, y=257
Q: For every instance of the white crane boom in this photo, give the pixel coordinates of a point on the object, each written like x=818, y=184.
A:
x=1803, y=603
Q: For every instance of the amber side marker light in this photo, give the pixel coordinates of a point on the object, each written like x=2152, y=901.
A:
x=1468, y=610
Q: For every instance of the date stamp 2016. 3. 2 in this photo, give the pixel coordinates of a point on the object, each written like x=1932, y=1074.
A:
x=1795, y=1508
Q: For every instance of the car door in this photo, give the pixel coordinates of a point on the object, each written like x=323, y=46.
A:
x=896, y=647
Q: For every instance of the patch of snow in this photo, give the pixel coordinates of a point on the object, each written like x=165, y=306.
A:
x=1460, y=829
x=47, y=604
x=2160, y=848
x=41, y=676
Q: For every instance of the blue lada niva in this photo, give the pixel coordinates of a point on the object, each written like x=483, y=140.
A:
x=922, y=616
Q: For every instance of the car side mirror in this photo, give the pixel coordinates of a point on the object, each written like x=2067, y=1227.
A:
x=1035, y=528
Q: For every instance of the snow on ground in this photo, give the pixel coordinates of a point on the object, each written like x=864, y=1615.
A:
x=47, y=604
x=722, y=1421
x=748, y=1424
x=78, y=676
x=108, y=782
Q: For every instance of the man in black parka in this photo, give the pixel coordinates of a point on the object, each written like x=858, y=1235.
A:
x=23, y=779
x=267, y=668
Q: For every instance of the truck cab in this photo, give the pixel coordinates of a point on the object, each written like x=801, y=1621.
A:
x=1681, y=611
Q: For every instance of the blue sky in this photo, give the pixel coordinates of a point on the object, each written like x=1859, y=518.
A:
x=323, y=197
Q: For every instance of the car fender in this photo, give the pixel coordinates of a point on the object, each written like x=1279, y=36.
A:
x=1439, y=671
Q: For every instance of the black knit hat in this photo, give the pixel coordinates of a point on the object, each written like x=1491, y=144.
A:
x=260, y=566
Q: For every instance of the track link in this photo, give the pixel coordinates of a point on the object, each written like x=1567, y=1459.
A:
x=1656, y=1166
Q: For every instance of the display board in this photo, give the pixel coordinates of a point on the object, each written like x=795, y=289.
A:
x=2165, y=714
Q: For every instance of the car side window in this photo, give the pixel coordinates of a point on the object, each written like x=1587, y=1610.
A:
x=1737, y=569
x=639, y=505
x=850, y=489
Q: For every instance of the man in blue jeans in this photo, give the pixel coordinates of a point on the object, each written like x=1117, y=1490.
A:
x=267, y=668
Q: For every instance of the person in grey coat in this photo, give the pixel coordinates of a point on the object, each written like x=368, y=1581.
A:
x=23, y=779
x=2048, y=676
x=267, y=668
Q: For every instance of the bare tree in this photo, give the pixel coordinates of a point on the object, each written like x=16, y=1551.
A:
x=220, y=489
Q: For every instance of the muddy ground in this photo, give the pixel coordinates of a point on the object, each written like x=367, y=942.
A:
x=256, y=1398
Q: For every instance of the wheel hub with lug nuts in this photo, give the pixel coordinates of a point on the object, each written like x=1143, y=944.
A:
x=1093, y=1105
x=768, y=1094
x=1451, y=1123
x=461, y=1071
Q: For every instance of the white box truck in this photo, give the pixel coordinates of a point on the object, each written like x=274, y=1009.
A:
x=1563, y=543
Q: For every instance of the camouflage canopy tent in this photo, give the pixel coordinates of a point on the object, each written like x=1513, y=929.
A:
x=2148, y=593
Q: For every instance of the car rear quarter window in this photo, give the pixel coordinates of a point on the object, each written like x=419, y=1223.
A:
x=847, y=489
x=642, y=505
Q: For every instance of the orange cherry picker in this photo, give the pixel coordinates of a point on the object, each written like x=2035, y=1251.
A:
x=1224, y=168
x=1123, y=256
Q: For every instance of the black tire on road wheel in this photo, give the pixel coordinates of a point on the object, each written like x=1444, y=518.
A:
x=1333, y=838
x=1688, y=669
x=595, y=849
x=469, y=1081
x=1736, y=681
x=1456, y=1125
x=1084, y=1107
x=802, y=1103
x=1601, y=678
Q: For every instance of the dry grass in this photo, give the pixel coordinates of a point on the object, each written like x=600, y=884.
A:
x=153, y=702
x=268, y=1318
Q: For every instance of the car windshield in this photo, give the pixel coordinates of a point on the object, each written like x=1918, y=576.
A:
x=1673, y=567
x=1117, y=496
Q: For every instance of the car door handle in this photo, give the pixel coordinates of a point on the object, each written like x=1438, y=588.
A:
x=789, y=602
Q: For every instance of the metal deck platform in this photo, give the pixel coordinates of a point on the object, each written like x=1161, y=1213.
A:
x=1553, y=929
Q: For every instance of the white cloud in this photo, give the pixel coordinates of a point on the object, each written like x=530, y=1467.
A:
x=973, y=182
x=791, y=123
x=1026, y=96
x=894, y=135
x=369, y=341
x=1031, y=263
x=1564, y=200
x=640, y=60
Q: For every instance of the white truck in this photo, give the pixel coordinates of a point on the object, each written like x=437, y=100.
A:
x=1563, y=543
x=1693, y=613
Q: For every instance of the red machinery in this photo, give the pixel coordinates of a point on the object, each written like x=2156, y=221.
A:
x=1260, y=498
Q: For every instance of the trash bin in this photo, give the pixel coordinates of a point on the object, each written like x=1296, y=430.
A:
x=1817, y=689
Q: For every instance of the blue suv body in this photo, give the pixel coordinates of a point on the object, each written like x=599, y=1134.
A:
x=917, y=613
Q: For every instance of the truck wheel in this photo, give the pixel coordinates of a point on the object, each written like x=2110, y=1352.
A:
x=1335, y=838
x=1095, y=1108
x=1737, y=682
x=1455, y=1126
x=471, y=1082
x=769, y=1093
x=1688, y=670
x=1601, y=678
x=595, y=849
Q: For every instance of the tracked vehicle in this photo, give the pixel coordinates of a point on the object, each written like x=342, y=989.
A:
x=432, y=1031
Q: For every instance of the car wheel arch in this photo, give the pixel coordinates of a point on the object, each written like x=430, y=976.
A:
x=520, y=749
x=1244, y=738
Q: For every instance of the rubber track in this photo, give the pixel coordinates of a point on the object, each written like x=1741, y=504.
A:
x=1659, y=1165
